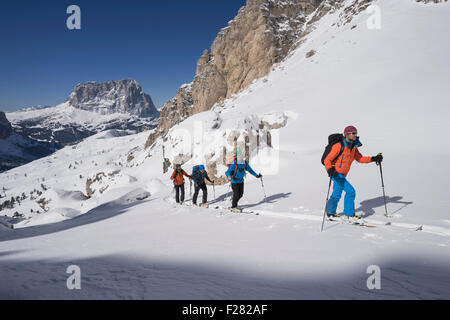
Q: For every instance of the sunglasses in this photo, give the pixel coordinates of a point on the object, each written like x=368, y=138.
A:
x=354, y=133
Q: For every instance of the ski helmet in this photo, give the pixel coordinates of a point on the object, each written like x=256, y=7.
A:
x=349, y=130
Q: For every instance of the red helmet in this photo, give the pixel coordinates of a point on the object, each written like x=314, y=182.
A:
x=349, y=130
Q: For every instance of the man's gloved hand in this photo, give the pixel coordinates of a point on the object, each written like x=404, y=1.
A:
x=378, y=158
x=331, y=172
x=259, y=176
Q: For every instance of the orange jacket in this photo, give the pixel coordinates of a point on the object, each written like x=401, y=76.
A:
x=344, y=162
x=178, y=178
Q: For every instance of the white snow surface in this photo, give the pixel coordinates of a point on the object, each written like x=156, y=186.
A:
x=131, y=241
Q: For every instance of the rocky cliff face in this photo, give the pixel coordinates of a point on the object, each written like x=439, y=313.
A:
x=262, y=34
x=5, y=126
x=123, y=96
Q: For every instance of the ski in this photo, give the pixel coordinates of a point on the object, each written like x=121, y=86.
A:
x=356, y=223
x=237, y=210
x=363, y=224
x=359, y=223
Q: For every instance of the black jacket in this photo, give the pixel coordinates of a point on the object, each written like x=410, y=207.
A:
x=199, y=178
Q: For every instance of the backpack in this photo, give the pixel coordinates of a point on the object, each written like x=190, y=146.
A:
x=234, y=161
x=332, y=140
x=196, y=174
x=177, y=172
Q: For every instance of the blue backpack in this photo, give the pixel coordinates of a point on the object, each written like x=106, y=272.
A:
x=196, y=174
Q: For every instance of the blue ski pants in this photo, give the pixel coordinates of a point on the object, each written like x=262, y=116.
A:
x=340, y=184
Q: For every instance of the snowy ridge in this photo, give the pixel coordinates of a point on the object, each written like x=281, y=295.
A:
x=65, y=124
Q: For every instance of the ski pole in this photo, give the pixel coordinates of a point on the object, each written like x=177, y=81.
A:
x=190, y=188
x=326, y=204
x=382, y=185
x=214, y=190
x=262, y=184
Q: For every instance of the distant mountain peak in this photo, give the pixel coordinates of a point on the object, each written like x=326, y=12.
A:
x=116, y=96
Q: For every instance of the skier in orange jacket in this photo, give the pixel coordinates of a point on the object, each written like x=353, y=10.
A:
x=338, y=165
x=178, y=181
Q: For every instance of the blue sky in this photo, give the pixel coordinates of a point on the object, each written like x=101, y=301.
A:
x=155, y=42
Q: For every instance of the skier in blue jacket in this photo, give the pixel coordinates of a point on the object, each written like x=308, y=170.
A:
x=236, y=172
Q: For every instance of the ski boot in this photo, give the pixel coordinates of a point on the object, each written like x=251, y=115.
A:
x=356, y=219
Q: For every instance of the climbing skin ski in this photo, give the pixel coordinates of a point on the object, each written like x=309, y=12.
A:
x=237, y=210
x=341, y=219
x=360, y=222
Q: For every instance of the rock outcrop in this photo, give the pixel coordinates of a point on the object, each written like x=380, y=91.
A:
x=174, y=111
x=123, y=96
x=5, y=126
x=262, y=34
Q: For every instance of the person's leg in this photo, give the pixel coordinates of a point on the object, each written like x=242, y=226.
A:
x=182, y=192
x=349, y=200
x=177, y=194
x=338, y=187
x=194, y=198
x=238, y=192
x=241, y=190
x=235, y=187
x=205, y=194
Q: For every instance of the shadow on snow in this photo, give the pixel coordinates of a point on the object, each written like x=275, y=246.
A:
x=368, y=206
x=102, y=212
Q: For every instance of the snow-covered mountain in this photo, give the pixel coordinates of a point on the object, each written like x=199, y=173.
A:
x=92, y=107
x=17, y=149
x=107, y=203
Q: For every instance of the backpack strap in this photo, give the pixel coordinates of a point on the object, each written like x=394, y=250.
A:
x=341, y=152
x=235, y=168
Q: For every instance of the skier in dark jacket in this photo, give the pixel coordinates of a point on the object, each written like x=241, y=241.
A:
x=236, y=172
x=199, y=184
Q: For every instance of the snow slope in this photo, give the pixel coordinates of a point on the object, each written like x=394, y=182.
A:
x=132, y=241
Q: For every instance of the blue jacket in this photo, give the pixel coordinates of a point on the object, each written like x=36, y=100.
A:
x=240, y=172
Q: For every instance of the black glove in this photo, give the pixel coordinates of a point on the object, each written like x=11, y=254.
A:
x=378, y=158
x=331, y=172
x=259, y=176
